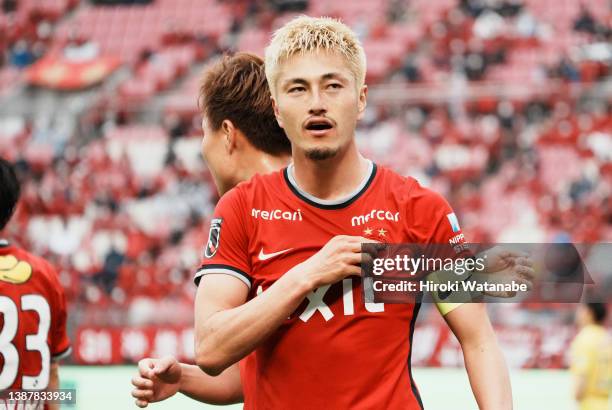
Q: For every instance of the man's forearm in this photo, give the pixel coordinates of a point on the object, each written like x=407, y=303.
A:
x=54, y=383
x=225, y=337
x=484, y=360
x=225, y=388
x=488, y=374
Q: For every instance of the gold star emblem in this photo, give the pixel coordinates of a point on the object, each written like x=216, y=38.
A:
x=367, y=231
x=382, y=232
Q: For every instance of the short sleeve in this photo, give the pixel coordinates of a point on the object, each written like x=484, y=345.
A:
x=436, y=223
x=226, y=248
x=445, y=226
x=59, y=342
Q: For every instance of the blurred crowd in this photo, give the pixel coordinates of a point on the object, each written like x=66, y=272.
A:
x=122, y=209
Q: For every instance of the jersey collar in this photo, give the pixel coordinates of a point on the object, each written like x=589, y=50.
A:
x=329, y=204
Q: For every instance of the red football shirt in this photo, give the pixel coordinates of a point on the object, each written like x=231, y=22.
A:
x=32, y=320
x=335, y=351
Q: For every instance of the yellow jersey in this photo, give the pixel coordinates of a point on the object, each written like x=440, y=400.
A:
x=591, y=358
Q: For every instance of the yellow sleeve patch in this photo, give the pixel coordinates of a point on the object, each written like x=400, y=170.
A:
x=446, y=307
x=13, y=270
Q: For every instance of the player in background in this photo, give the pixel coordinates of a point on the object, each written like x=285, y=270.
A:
x=241, y=139
x=159, y=379
x=32, y=308
x=591, y=358
x=287, y=238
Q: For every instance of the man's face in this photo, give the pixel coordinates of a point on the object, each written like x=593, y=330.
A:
x=583, y=316
x=317, y=103
x=216, y=156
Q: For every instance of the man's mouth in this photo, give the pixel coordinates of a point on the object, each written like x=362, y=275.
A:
x=319, y=126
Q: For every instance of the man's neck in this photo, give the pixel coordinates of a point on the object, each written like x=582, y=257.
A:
x=263, y=164
x=332, y=178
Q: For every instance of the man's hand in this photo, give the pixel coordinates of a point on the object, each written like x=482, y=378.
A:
x=158, y=379
x=340, y=257
x=228, y=327
x=505, y=265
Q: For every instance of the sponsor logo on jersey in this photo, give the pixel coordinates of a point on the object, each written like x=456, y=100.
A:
x=454, y=222
x=375, y=214
x=265, y=256
x=13, y=270
x=460, y=238
x=214, y=236
x=277, y=215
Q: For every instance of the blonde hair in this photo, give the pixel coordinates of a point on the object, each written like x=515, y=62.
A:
x=307, y=34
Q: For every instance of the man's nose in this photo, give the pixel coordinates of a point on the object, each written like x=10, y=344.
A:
x=317, y=104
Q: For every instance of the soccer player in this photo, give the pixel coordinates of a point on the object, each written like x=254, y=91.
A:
x=33, y=308
x=591, y=358
x=159, y=379
x=241, y=139
x=289, y=238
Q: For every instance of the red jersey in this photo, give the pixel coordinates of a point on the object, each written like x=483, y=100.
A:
x=335, y=351
x=32, y=320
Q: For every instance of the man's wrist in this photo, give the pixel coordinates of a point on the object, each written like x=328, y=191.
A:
x=300, y=281
x=181, y=383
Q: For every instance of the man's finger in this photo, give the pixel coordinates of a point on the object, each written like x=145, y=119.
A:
x=523, y=281
x=525, y=272
x=361, y=239
x=145, y=365
x=142, y=383
x=142, y=394
x=142, y=403
x=524, y=261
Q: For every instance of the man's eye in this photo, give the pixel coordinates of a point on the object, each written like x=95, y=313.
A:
x=335, y=85
x=296, y=89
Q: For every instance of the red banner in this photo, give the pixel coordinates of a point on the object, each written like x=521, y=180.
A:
x=56, y=73
x=434, y=345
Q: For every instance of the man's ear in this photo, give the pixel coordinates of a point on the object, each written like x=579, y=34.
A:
x=276, y=112
x=229, y=136
x=362, y=101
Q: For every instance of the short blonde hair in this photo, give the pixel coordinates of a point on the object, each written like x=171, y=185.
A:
x=307, y=34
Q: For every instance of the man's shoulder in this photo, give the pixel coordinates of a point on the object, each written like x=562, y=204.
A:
x=252, y=191
x=21, y=267
x=592, y=335
x=258, y=183
x=409, y=189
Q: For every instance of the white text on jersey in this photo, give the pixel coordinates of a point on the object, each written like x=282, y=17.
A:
x=457, y=239
x=316, y=303
x=276, y=214
x=375, y=214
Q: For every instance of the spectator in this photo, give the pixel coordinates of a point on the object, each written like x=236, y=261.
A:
x=585, y=21
x=21, y=55
x=9, y=6
x=79, y=48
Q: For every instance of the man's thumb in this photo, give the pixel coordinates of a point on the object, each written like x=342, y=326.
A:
x=163, y=365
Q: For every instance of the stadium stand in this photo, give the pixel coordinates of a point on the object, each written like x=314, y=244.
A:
x=503, y=107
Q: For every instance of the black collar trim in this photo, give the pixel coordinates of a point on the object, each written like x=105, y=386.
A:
x=313, y=201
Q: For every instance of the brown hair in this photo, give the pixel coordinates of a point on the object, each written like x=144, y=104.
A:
x=235, y=88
